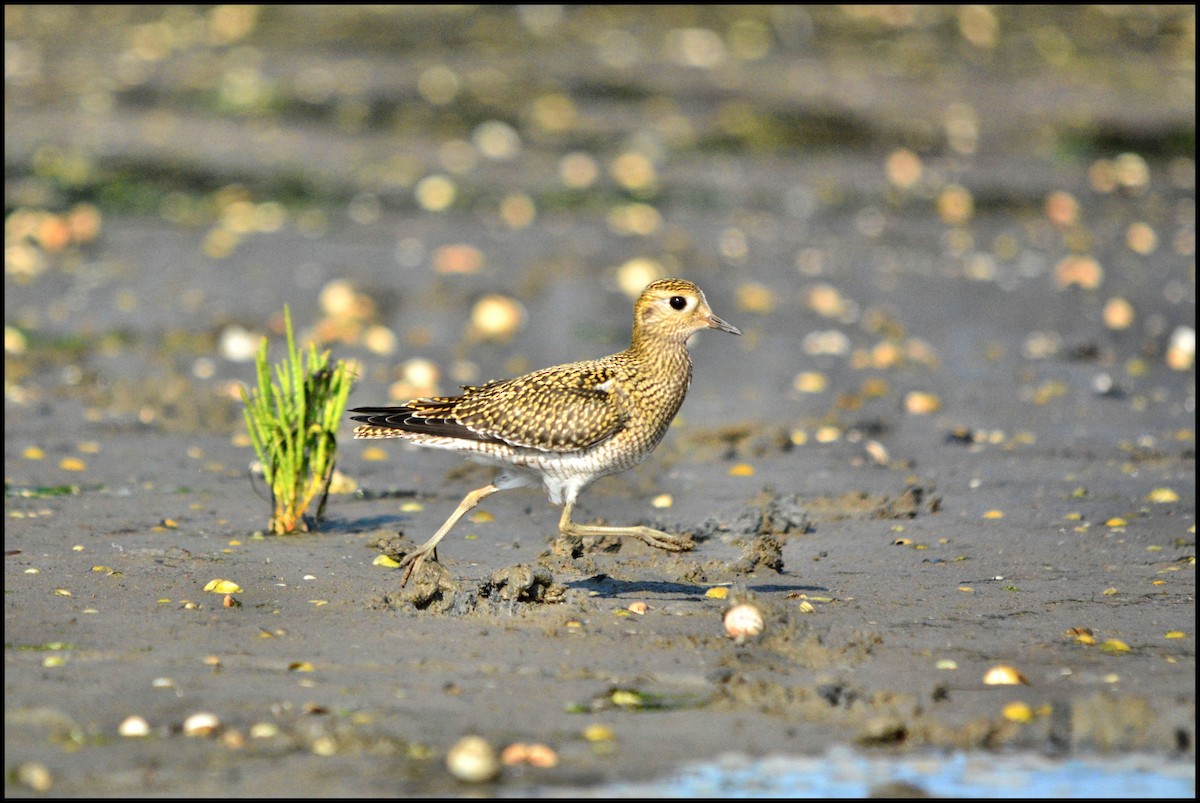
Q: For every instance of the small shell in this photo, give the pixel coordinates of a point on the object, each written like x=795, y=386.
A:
x=743, y=622
x=238, y=344
x=380, y=340
x=919, y=402
x=473, y=760
x=1162, y=496
x=535, y=755
x=497, y=317
x=201, y=724
x=1181, y=351
x=877, y=452
x=1018, y=711
x=134, y=726
x=542, y=756
x=1003, y=675
x=219, y=586
x=36, y=776
x=264, y=730
x=598, y=733
x=517, y=753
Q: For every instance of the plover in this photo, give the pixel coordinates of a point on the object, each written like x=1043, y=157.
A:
x=565, y=426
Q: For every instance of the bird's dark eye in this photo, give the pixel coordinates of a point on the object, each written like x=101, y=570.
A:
x=678, y=302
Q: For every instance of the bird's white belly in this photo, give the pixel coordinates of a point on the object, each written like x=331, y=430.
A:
x=563, y=475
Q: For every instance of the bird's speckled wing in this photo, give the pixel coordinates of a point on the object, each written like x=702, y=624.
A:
x=566, y=408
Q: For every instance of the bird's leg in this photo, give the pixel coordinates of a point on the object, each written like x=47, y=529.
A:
x=414, y=559
x=655, y=538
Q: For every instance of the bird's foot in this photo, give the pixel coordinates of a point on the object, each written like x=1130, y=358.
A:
x=413, y=560
x=655, y=538
x=661, y=540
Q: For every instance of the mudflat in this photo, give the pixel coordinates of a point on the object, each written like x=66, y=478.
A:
x=958, y=434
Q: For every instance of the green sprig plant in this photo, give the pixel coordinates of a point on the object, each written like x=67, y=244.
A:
x=293, y=424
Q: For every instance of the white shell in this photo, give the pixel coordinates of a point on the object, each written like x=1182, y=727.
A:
x=201, y=724
x=743, y=622
x=134, y=726
x=1003, y=675
x=473, y=760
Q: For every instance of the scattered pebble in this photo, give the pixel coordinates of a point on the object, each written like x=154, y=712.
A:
x=264, y=730
x=497, y=317
x=1062, y=209
x=36, y=776
x=223, y=587
x=634, y=275
x=473, y=760
x=825, y=300
x=598, y=733
x=457, y=258
x=134, y=726
x=810, y=382
x=380, y=340
x=877, y=452
x=955, y=205
x=1162, y=496
x=827, y=341
x=827, y=434
x=1118, y=313
x=1017, y=711
x=201, y=724
x=919, y=402
x=903, y=168
x=1004, y=675
x=1141, y=238
x=337, y=298
x=238, y=344
x=755, y=298
x=1103, y=384
x=1078, y=270
x=435, y=193
x=1181, y=349
x=535, y=755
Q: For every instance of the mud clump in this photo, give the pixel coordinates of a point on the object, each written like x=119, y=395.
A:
x=395, y=545
x=765, y=551
x=774, y=514
x=522, y=583
x=915, y=500
x=431, y=588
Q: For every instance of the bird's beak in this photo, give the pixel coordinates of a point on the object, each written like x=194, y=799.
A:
x=716, y=323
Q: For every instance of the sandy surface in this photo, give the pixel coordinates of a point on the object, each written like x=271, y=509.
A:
x=1037, y=512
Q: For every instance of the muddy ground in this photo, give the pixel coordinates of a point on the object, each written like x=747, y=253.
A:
x=959, y=431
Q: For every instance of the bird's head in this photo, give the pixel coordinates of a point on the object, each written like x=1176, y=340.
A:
x=674, y=309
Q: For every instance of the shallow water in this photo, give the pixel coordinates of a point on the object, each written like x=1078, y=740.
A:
x=847, y=773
